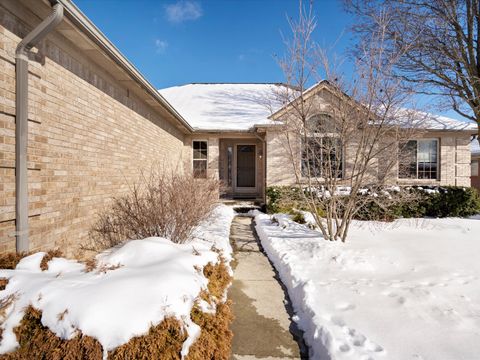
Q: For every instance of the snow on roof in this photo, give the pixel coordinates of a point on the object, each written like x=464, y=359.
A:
x=437, y=122
x=475, y=147
x=428, y=121
x=224, y=106
x=240, y=106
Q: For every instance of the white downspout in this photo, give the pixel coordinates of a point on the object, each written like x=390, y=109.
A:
x=21, y=123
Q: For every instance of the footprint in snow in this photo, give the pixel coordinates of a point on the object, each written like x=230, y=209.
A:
x=345, y=306
x=336, y=320
x=344, y=347
x=360, y=341
x=354, y=339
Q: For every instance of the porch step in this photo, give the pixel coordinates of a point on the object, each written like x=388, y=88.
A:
x=244, y=206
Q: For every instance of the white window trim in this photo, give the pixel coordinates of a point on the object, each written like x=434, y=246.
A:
x=416, y=178
x=193, y=159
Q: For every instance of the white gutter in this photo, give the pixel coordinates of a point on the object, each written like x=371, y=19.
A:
x=75, y=15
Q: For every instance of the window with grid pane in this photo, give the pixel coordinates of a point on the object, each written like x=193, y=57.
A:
x=322, y=157
x=418, y=159
x=200, y=158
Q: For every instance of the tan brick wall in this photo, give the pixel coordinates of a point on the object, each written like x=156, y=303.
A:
x=454, y=153
x=217, y=156
x=280, y=167
x=454, y=160
x=88, y=138
x=462, y=161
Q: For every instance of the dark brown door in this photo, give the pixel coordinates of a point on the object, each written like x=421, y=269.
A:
x=246, y=166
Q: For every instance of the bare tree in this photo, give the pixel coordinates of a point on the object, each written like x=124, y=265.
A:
x=343, y=136
x=442, y=43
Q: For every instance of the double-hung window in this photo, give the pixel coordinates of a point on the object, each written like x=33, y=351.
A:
x=322, y=154
x=418, y=159
x=200, y=159
x=474, y=165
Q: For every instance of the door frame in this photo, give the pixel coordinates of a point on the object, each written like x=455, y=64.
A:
x=244, y=190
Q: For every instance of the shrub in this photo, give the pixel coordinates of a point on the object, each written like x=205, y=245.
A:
x=215, y=340
x=163, y=341
x=371, y=210
x=453, y=201
x=410, y=202
x=38, y=342
x=284, y=199
x=166, y=205
x=447, y=201
x=298, y=217
x=11, y=259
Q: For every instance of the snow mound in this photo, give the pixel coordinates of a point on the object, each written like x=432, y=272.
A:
x=410, y=290
x=132, y=288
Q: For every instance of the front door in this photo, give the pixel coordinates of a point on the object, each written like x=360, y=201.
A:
x=245, y=179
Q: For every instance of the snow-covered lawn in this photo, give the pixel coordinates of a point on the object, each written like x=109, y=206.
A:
x=407, y=291
x=132, y=288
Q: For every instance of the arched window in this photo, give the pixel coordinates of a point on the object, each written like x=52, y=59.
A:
x=321, y=123
x=322, y=153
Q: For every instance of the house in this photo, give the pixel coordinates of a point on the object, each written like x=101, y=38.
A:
x=475, y=175
x=237, y=139
x=78, y=122
x=93, y=122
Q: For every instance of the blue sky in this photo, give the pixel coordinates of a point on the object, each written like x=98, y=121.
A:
x=174, y=42
x=178, y=42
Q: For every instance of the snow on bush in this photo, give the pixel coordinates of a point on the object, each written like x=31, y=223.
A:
x=408, y=291
x=132, y=287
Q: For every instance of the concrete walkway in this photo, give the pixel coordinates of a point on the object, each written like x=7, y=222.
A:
x=262, y=328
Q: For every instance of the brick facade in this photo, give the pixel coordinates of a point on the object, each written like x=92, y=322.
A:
x=453, y=153
x=454, y=160
x=89, y=136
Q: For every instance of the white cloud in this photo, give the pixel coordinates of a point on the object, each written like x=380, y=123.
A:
x=249, y=55
x=183, y=10
x=161, y=45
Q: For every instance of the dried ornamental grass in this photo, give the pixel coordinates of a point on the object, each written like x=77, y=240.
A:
x=163, y=341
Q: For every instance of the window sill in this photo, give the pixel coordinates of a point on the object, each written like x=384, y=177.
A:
x=319, y=179
x=423, y=181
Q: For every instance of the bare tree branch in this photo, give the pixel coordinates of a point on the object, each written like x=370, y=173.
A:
x=441, y=39
x=342, y=136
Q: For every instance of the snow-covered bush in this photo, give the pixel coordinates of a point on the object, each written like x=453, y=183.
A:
x=146, y=299
x=388, y=203
x=454, y=201
x=298, y=217
x=284, y=199
x=160, y=204
x=438, y=202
